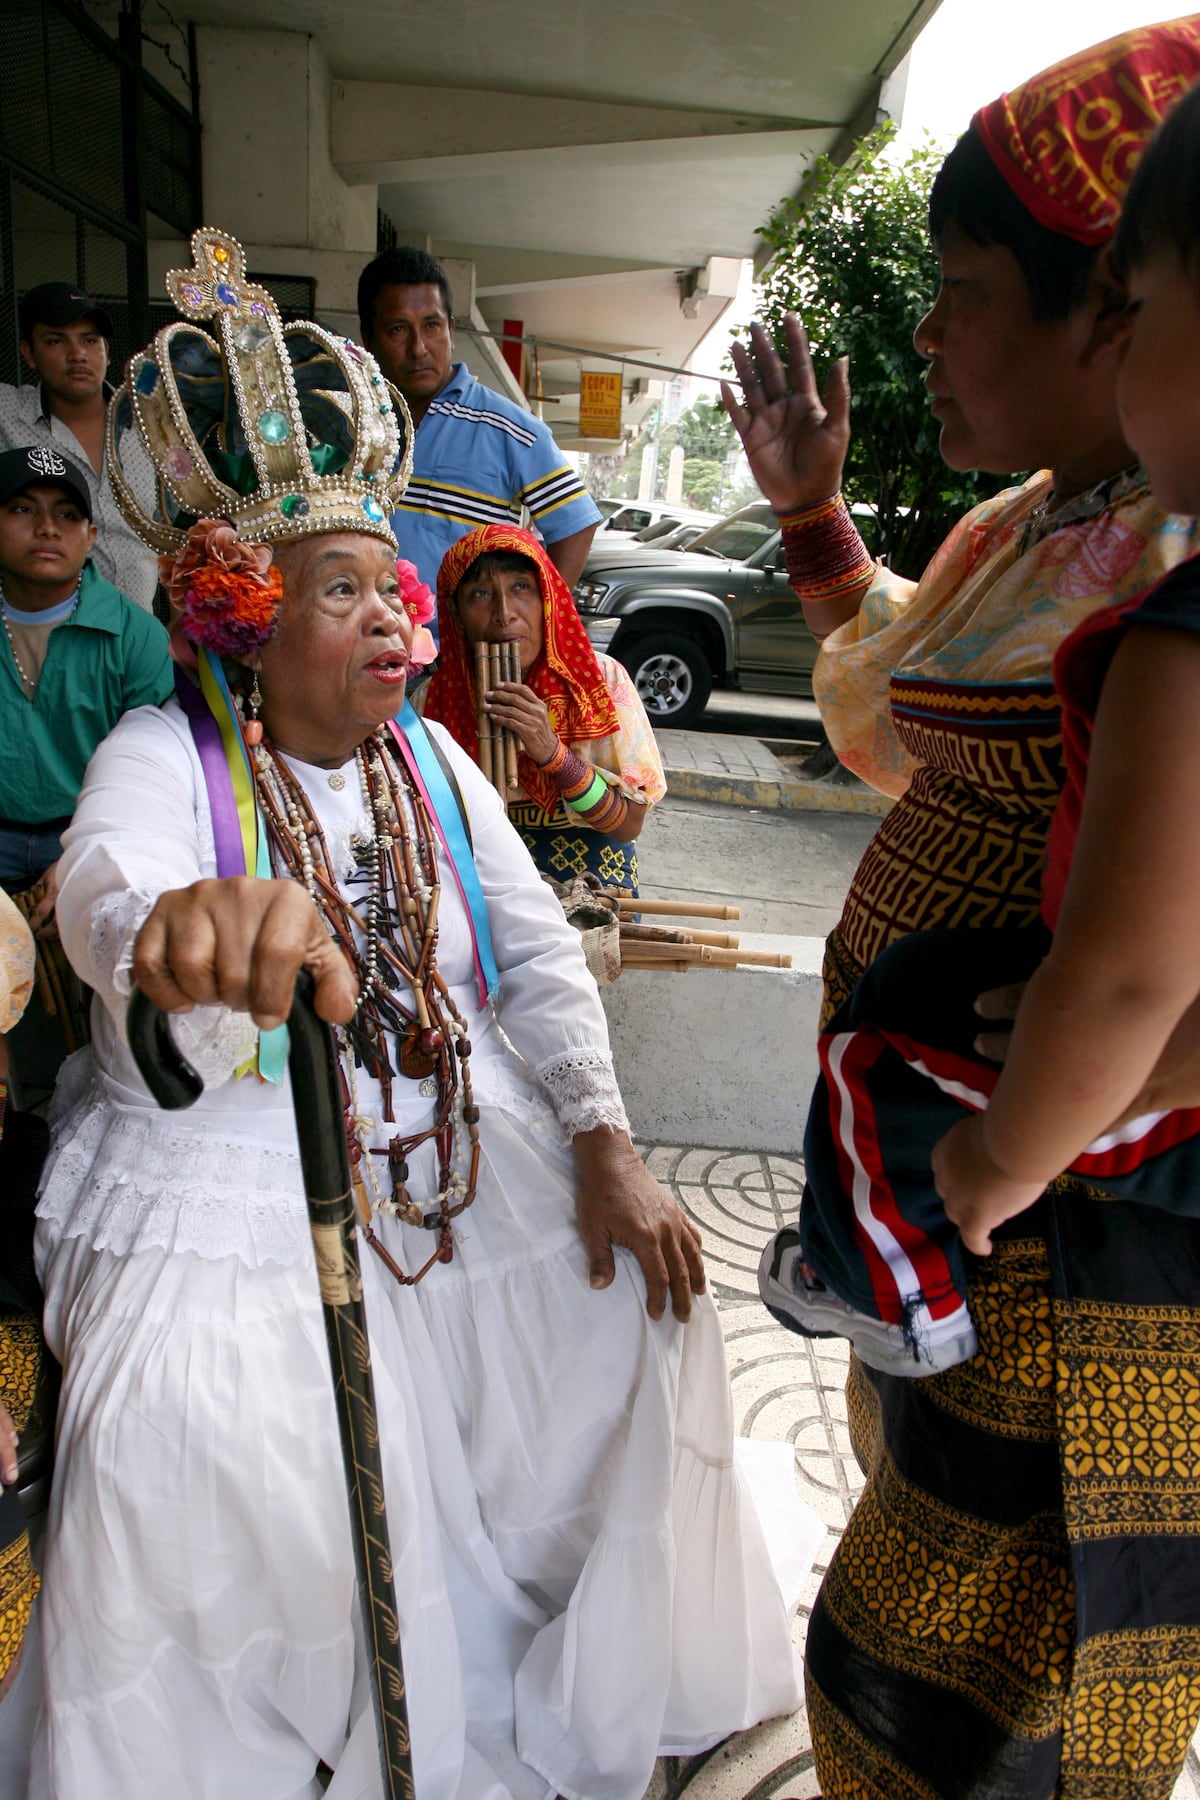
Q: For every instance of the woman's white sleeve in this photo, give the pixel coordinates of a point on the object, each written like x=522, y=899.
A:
x=549, y=1004
x=136, y=835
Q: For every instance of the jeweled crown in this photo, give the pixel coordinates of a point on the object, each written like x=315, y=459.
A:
x=284, y=430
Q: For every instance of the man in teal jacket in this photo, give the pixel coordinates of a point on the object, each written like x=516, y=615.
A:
x=75, y=655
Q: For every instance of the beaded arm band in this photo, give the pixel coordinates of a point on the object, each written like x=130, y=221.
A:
x=586, y=792
x=826, y=560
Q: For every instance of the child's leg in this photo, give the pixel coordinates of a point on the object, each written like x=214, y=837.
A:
x=897, y=1067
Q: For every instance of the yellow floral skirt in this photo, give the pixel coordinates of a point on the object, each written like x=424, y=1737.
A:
x=1013, y=1612
x=21, y=1351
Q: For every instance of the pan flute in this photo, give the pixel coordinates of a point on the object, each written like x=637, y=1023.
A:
x=498, y=747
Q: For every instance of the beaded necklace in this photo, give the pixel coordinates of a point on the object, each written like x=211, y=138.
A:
x=394, y=947
x=27, y=681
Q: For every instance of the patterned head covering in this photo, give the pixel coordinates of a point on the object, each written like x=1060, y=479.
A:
x=566, y=675
x=1067, y=141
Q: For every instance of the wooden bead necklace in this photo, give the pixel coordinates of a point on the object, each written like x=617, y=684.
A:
x=394, y=945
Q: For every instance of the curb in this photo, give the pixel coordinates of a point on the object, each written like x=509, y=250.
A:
x=784, y=796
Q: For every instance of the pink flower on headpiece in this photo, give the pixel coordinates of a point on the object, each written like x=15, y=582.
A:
x=420, y=606
x=224, y=593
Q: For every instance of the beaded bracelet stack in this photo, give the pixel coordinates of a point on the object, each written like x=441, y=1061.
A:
x=585, y=791
x=826, y=559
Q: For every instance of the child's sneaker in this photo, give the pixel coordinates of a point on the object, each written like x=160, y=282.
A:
x=796, y=1297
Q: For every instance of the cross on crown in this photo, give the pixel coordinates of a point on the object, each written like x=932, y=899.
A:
x=216, y=286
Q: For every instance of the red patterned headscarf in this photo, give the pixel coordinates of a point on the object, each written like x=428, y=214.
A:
x=1067, y=142
x=566, y=675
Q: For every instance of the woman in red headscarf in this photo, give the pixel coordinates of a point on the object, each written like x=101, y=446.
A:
x=1014, y=1608
x=589, y=768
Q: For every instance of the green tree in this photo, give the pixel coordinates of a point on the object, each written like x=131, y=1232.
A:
x=705, y=431
x=702, y=482
x=852, y=257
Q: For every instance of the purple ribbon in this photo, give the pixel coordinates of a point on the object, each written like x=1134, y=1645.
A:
x=206, y=734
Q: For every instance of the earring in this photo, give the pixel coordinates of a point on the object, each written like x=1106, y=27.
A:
x=252, y=730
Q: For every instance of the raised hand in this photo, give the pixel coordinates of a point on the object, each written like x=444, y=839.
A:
x=796, y=439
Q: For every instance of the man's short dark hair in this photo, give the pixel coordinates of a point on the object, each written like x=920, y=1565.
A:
x=401, y=267
x=970, y=192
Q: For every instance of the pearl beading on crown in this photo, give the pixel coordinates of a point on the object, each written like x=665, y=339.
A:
x=290, y=497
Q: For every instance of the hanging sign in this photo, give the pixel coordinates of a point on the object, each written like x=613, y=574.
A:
x=599, y=404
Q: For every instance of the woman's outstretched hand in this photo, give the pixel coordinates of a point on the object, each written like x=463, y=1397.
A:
x=620, y=1203
x=795, y=439
x=241, y=943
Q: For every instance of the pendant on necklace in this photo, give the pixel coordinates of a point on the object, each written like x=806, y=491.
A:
x=416, y=1063
x=337, y=781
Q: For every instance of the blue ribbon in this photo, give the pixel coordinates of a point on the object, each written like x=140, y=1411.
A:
x=415, y=745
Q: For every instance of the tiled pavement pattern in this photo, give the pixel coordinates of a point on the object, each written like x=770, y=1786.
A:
x=783, y=1388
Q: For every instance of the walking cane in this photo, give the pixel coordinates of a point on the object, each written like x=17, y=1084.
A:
x=326, y=1167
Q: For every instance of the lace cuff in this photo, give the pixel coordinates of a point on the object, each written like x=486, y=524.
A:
x=583, y=1090
x=214, y=1040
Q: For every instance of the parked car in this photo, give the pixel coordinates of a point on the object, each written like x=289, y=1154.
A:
x=636, y=515
x=668, y=536
x=718, y=614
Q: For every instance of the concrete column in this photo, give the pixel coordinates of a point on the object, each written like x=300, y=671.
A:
x=265, y=106
x=674, y=491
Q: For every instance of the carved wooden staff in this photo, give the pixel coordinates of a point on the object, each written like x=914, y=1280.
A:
x=498, y=747
x=316, y=1097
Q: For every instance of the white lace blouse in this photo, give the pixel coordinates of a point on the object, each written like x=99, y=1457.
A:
x=223, y=1178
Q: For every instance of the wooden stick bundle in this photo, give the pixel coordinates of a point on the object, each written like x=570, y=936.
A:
x=679, y=948
x=498, y=747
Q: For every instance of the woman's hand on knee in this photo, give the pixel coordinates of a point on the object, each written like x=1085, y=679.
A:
x=241, y=943
x=620, y=1203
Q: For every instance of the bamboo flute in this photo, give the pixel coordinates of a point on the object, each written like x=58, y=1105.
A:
x=483, y=724
x=512, y=660
x=680, y=909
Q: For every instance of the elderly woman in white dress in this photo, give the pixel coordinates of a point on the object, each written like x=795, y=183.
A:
x=582, y=1583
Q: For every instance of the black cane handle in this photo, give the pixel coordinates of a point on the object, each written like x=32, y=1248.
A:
x=164, y=1068
x=316, y=1095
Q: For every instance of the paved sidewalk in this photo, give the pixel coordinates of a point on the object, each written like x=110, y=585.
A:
x=741, y=771
x=784, y=1387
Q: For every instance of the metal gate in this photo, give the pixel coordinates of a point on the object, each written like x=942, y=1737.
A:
x=96, y=156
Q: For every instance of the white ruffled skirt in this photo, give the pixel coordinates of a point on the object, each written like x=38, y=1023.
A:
x=582, y=1580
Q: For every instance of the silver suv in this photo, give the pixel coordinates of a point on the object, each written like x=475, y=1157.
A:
x=718, y=614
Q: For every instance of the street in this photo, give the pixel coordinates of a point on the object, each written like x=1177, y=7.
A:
x=772, y=717
x=788, y=871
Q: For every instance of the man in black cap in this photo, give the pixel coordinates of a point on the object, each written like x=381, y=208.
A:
x=64, y=342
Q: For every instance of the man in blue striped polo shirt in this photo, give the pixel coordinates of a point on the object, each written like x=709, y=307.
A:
x=479, y=459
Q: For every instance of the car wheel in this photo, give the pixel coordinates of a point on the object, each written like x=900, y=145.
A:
x=672, y=675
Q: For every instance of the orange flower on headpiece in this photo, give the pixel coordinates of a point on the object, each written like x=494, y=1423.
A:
x=1067, y=141
x=225, y=593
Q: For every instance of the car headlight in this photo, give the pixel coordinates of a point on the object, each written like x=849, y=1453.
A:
x=589, y=594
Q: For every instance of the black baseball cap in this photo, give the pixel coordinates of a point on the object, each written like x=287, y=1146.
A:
x=58, y=303
x=42, y=465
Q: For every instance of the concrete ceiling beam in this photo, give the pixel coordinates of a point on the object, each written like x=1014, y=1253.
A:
x=383, y=131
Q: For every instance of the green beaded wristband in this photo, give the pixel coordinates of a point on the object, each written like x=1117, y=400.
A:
x=589, y=798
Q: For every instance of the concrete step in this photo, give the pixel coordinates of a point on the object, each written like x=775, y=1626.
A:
x=743, y=771
x=725, y=1058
